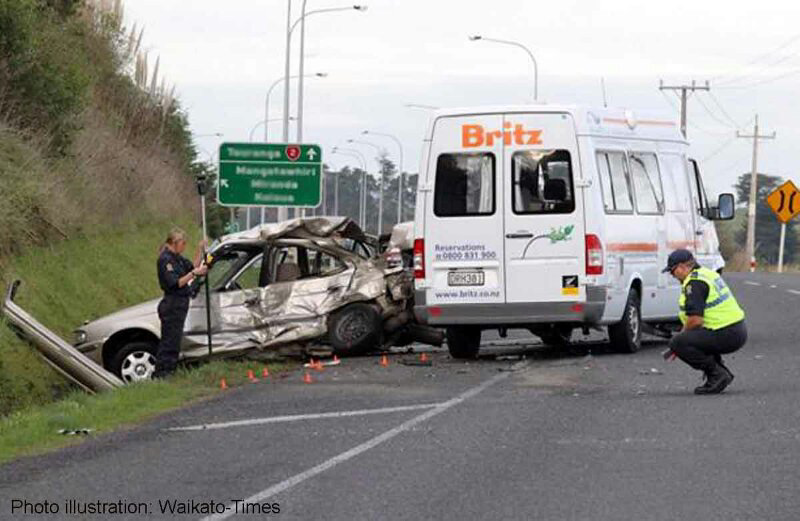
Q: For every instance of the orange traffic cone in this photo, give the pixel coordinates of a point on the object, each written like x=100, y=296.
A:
x=384, y=361
x=335, y=359
x=265, y=373
x=423, y=357
x=223, y=385
x=251, y=376
x=307, y=378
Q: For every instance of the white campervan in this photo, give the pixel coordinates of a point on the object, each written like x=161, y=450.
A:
x=552, y=218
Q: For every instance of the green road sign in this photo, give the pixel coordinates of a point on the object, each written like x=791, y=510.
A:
x=269, y=174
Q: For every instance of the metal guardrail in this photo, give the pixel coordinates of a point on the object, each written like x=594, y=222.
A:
x=64, y=358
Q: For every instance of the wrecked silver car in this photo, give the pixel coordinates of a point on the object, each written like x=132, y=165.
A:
x=297, y=283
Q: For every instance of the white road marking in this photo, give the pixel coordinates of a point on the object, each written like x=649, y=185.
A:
x=751, y=283
x=773, y=286
x=301, y=417
x=793, y=291
x=367, y=445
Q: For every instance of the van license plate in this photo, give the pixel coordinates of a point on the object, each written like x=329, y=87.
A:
x=465, y=278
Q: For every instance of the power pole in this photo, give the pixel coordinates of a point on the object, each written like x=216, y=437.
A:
x=750, y=245
x=685, y=89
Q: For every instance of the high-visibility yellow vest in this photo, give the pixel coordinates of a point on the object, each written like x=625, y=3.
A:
x=721, y=307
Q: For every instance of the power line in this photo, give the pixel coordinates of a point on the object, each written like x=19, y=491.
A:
x=719, y=149
x=684, y=93
x=762, y=82
x=715, y=118
x=761, y=56
x=722, y=109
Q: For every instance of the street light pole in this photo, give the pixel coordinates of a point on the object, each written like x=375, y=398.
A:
x=300, y=83
x=400, y=176
x=362, y=213
x=524, y=48
x=378, y=150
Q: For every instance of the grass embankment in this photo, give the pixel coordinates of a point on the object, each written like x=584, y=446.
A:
x=35, y=430
x=63, y=285
x=67, y=283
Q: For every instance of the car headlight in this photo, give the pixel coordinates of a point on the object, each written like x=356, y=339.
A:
x=80, y=337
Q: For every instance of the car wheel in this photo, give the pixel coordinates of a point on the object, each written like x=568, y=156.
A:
x=135, y=362
x=463, y=341
x=626, y=335
x=354, y=329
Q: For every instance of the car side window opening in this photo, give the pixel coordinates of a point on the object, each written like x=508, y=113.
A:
x=646, y=183
x=298, y=263
x=464, y=185
x=542, y=182
x=225, y=266
x=616, y=185
x=250, y=276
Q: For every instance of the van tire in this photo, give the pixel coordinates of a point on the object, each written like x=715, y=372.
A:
x=354, y=329
x=463, y=342
x=626, y=335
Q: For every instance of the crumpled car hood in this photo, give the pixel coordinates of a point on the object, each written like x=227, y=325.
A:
x=302, y=228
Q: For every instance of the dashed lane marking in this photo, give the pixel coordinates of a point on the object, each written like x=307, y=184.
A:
x=301, y=417
x=751, y=283
x=367, y=445
x=793, y=291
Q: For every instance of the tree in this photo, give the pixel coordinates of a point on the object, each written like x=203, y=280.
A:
x=768, y=228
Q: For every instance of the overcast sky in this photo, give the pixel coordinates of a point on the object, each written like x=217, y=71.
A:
x=222, y=56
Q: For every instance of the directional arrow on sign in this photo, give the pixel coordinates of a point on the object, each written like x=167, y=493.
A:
x=223, y=183
x=311, y=154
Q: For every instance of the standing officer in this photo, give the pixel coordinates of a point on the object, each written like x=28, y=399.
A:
x=713, y=322
x=175, y=276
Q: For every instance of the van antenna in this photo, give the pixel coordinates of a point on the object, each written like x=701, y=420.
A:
x=603, y=86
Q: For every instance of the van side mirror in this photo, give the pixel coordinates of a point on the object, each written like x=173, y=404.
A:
x=725, y=209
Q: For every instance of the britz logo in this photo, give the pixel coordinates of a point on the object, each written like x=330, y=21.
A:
x=293, y=152
x=476, y=135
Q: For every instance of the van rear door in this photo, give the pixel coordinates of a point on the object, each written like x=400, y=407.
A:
x=543, y=208
x=464, y=217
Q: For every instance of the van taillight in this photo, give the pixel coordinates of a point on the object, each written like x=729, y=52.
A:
x=594, y=255
x=419, y=258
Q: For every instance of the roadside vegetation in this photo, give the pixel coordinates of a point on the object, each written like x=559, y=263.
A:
x=96, y=164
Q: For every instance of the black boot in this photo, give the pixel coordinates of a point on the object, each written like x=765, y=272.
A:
x=717, y=379
x=718, y=358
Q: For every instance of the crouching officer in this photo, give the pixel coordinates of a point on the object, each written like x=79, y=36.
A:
x=713, y=322
x=175, y=276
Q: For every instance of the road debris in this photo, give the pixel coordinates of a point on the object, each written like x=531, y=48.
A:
x=75, y=432
x=652, y=371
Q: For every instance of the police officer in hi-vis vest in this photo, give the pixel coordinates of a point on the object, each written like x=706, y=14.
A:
x=713, y=322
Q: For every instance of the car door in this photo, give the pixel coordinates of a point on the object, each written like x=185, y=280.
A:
x=305, y=283
x=235, y=279
x=543, y=210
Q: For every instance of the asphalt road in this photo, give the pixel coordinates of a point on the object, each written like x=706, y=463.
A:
x=578, y=435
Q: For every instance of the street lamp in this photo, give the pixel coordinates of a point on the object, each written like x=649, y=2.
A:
x=420, y=106
x=289, y=28
x=530, y=54
x=300, y=84
x=264, y=122
x=362, y=209
x=400, y=177
x=269, y=92
x=379, y=151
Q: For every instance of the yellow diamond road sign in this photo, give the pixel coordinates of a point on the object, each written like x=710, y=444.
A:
x=785, y=201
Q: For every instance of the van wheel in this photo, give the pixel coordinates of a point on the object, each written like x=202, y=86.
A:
x=463, y=341
x=135, y=362
x=354, y=329
x=626, y=335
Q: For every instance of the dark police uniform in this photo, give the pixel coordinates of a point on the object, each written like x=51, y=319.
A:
x=172, y=309
x=705, y=294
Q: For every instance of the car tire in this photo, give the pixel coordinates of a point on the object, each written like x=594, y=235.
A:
x=463, y=341
x=135, y=361
x=626, y=335
x=354, y=329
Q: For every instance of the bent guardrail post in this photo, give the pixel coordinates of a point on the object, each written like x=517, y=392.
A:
x=67, y=360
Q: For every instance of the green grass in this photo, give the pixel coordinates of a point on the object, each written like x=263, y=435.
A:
x=35, y=430
x=63, y=285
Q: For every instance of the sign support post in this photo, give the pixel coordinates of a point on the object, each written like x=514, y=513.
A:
x=780, y=248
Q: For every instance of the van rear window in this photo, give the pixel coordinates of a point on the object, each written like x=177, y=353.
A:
x=542, y=182
x=464, y=185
